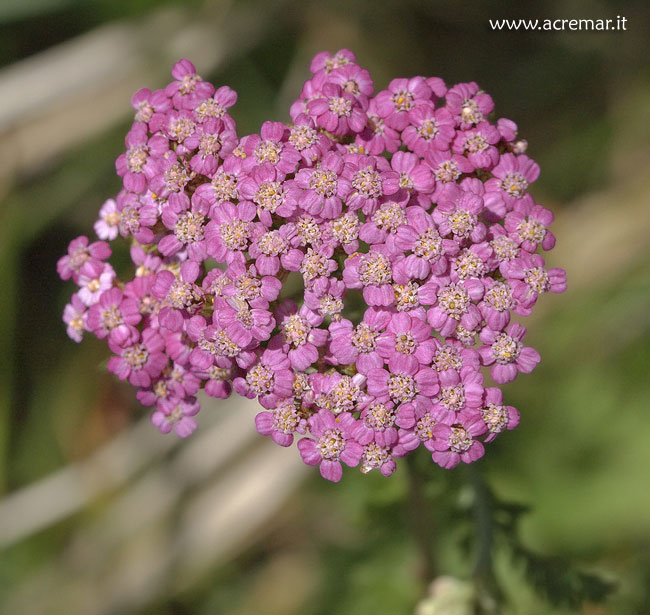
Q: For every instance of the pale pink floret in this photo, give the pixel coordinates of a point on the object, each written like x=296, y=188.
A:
x=150, y=106
x=80, y=252
x=245, y=325
x=376, y=423
x=410, y=387
x=370, y=178
x=281, y=423
x=429, y=128
x=229, y=232
x=506, y=354
x=189, y=89
x=247, y=284
x=460, y=391
x=138, y=166
x=353, y=79
x=512, y=177
x=140, y=362
x=407, y=341
x=337, y=111
x=373, y=273
x=327, y=62
x=269, y=248
x=272, y=146
x=74, y=315
x=468, y=104
x=138, y=213
x=528, y=225
x=299, y=336
x=114, y=315
x=321, y=189
x=518, y=147
x=333, y=443
x=177, y=415
x=528, y=278
x=212, y=141
x=458, y=213
x=94, y=278
x=415, y=176
x=401, y=97
x=478, y=144
x=270, y=379
x=453, y=305
x=428, y=250
x=456, y=443
x=265, y=188
x=496, y=416
x=107, y=227
x=377, y=137
x=358, y=345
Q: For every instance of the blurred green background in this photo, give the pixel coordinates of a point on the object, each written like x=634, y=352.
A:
x=100, y=514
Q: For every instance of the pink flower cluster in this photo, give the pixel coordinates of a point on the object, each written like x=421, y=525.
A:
x=401, y=221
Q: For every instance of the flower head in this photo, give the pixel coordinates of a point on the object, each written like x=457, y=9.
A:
x=357, y=271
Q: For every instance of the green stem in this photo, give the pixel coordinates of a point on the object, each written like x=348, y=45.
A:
x=488, y=591
x=421, y=522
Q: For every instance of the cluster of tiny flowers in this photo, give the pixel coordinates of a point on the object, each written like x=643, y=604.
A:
x=403, y=217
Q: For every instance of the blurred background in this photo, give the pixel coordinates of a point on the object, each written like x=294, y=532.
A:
x=101, y=514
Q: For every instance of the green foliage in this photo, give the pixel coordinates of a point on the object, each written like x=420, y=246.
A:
x=491, y=527
x=556, y=580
